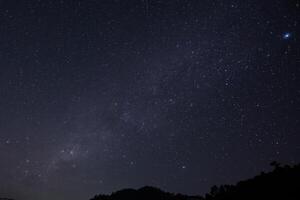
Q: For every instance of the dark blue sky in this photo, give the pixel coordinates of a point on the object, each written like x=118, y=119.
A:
x=179, y=94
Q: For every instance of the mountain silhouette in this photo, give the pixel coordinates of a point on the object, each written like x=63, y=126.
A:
x=281, y=183
x=144, y=193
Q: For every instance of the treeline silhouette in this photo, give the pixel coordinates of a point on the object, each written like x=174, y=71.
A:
x=281, y=183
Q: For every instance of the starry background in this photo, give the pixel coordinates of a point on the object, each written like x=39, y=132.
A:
x=102, y=95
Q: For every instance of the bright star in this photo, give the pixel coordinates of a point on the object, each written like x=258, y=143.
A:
x=286, y=35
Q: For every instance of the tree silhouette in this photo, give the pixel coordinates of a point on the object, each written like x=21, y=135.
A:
x=281, y=183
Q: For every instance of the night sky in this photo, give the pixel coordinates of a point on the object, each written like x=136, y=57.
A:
x=100, y=95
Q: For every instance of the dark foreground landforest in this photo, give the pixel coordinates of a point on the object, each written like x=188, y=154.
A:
x=281, y=183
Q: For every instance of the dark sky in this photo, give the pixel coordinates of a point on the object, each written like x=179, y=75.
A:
x=100, y=95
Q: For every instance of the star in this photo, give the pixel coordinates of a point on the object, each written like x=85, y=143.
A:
x=286, y=35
